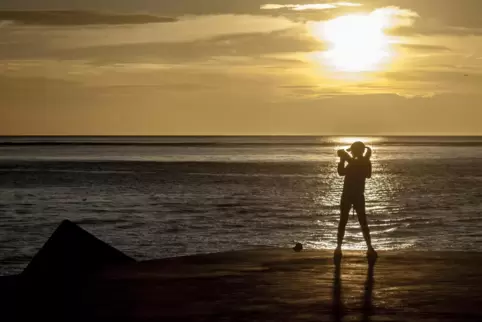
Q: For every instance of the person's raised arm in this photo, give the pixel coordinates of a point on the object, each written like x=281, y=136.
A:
x=367, y=156
x=369, y=169
x=344, y=157
x=341, y=167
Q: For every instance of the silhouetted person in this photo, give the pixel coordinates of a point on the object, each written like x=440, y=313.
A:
x=356, y=168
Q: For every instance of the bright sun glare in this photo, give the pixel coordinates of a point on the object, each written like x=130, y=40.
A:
x=346, y=141
x=357, y=42
x=351, y=139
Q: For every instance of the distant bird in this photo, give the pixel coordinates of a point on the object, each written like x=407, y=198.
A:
x=298, y=247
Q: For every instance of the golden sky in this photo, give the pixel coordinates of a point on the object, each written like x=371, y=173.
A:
x=251, y=67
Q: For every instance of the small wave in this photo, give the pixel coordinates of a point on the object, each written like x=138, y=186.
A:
x=39, y=170
x=256, y=175
x=234, y=225
x=174, y=229
x=374, y=232
x=20, y=259
x=130, y=225
x=96, y=221
x=23, y=211
x=229, y=205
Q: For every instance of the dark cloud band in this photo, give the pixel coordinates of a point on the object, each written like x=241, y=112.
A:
x=79, y=18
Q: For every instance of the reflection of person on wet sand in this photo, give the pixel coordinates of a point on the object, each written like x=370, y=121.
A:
x=367, y=308
x=337, y=297
x=339, y=309
x=356, y=168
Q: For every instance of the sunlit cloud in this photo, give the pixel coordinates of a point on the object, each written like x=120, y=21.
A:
x=314, y=6
x=395, y=17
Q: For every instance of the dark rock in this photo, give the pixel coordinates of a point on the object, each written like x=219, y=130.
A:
x=53, y=284
x=72, y=251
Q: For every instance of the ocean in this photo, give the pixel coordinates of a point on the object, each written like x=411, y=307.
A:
x=155, y=197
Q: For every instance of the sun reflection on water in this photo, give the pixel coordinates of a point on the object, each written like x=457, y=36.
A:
x=346, y=141
x=380, y=204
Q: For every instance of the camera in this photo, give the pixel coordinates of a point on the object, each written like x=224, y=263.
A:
x=342, y=154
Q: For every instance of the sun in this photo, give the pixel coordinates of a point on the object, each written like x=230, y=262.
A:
x=356, y=42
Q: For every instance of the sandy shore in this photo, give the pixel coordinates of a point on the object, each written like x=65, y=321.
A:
x=281, y=285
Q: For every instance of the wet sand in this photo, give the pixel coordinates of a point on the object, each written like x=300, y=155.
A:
x=281, y=285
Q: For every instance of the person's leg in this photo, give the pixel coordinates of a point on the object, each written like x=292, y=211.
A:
x=345, y=207
x=359, y=205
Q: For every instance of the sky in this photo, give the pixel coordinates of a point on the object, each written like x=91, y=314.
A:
x=251, y=67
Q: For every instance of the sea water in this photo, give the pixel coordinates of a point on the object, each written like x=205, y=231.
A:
x=155, y=197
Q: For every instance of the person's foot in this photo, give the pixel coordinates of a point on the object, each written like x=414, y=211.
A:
x=337, y=254
x=372, y=254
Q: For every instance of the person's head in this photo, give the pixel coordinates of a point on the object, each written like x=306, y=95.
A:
x=357, y=149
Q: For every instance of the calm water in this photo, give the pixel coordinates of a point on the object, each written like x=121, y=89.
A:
x=159, y=197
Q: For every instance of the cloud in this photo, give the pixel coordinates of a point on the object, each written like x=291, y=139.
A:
x=143, y=104
x=434, y=30
x=451, y=77
x=396, y=17
x=314, y=6
x=425, y=48
x=185, y=30
x=249, y=46
x=78, y=18
x=169, y=87
x=387, y=18
x=407, y=22
x=188, y=39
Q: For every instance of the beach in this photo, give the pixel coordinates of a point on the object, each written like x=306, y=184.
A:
x=282, y=285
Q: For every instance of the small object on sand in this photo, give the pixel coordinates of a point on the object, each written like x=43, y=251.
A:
x=298, y=247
